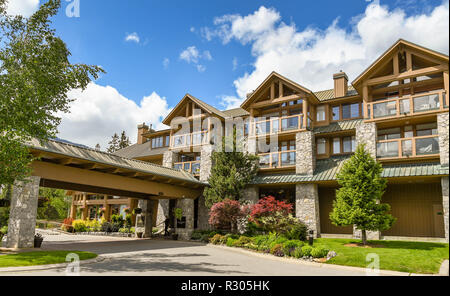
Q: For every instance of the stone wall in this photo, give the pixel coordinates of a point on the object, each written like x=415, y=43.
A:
x=169, y=157
x=442, y=123
x=250, y=194
x=163, y=213
x=307, y=206
x=147, y=206
x=367, y=133
x=444, y=183
x=305, y=157
x=187, y=205
x=23, y=212
x=205, y=162
x=203, y=215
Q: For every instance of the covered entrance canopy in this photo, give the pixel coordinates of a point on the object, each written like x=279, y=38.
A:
x=73, y=167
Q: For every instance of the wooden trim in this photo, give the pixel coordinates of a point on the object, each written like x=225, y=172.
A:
x=407, y=74
x=280, y=166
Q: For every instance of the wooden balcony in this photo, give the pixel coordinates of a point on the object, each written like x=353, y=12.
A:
x=424, y=103
x=280, y=125
x=192, y=167
x=276, y=160
x=407, y=148
x=189, y=140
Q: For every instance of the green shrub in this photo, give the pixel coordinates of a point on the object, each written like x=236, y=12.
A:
x=306, y=251
x=196, y=235
x=4, y=230
x=230, y=241
x=204, y=238
x=242, y=241
x=118, y=220
x=298, y=253
x=277, y=250
x=319, y=252
x=216, y=239
x=260, y=239
x=297, y=231
x=79, y=226
x=290, y=245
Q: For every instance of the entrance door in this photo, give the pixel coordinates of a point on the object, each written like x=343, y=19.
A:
x=438, y=212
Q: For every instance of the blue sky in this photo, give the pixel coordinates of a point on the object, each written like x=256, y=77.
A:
x=229, y=48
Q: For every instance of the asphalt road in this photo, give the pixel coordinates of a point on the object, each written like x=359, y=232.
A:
x=125, y=256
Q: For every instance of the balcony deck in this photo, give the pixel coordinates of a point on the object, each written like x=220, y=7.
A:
x=408, y=148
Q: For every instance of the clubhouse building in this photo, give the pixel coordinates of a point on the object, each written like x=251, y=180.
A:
x=398, y=107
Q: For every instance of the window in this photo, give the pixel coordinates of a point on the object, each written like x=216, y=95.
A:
x=336, y=114
x=336, y=145
x=426, y=129
x=287, y=145
x=408, y=131
x=158, y=142
x=389, y=134
x=350, y=111
x=349, y=144
x=320, y=113
x=321, y=146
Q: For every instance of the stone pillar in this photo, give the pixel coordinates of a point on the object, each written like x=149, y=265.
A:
x=23, y=212
x=444, y=183
x=203, y=214
x=205, y=162
x=307, y=206
x=442, y=123
x=73, y=211
x=187, y=205
x=367, y=133
x=169, y=158
x=163, y=213
x=305, y=156
x=250, y=194
x=147, y=206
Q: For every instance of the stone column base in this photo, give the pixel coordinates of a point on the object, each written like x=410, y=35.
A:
x=187, y=206
x=307, y=206
x=444, y=183
x=23, y=212
x=147, y=206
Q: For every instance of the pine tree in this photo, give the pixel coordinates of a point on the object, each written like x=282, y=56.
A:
x=113, y=144
x=231, y=172
x=97, y=147
x=124, y=140
x=358, y=201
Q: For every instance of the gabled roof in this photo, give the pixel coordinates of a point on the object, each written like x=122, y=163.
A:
x=326, y=95
x=206, y=107
x=140, y=150
x=272, y=75
x=390, y=50
x=236, y=112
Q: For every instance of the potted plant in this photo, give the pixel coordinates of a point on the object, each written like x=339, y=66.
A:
x=38, y=238
x=137, y=211
x=178, y=213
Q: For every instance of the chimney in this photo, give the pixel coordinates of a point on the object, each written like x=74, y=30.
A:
x=340, y=84
x=142, y=129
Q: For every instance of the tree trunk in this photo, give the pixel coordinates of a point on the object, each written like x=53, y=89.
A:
x=363, y=237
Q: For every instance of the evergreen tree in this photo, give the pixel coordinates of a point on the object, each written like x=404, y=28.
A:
x=113, y=144
x=230, y=173
x=124, y=140
x=358, y=201
x=35, y=76
x=97, y=147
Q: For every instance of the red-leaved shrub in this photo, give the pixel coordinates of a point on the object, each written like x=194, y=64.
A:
x=267, y=206
x=225, y=214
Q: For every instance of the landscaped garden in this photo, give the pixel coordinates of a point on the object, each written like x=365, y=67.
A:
x=40, y=258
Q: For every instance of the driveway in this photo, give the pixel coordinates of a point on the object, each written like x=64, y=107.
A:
x=125, y=256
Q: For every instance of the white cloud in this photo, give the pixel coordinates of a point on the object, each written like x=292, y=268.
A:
x=310, y=56
x=22, y=7
x=166, y=63
x=133, y=37
x=235, y=63
x=100, y=111
x=192, y=55
x=201, y=68
x=192, y=29
x=230, y=102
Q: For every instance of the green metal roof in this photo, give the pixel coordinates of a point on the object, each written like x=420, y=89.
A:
x=337, y=126
x=100, y=157
x=237, y=112
x=326, y=170
x=326, y=95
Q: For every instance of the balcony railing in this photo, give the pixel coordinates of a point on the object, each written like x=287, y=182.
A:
x=187, y=140
x=192, y=167
x=279, y=125
x=275, y=160
x=408, y=147
x=431, y=102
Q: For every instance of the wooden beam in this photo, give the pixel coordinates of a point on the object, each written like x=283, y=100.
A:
x=408, y=74
x=64, y=161
x=91, y=178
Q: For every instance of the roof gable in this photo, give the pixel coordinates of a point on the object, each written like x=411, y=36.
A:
x=265, y=86
x=384, y=64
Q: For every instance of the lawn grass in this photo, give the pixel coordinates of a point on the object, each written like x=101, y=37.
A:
x=40, y=258
x=414, y=257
